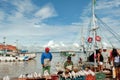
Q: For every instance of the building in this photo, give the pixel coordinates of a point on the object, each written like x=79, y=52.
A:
x=8, y=48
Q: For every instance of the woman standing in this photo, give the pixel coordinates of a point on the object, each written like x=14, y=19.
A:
x=100, y=59
x=115, y=61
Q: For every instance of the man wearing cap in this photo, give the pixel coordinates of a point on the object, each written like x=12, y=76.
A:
x=68, y=64
x=46, y=58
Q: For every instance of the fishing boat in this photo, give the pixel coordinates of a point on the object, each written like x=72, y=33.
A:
x=97, y=35
x=26, y=53
x=67, y=53
x=10, y=58
x=94, y=41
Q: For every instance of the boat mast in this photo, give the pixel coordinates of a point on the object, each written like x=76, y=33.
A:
x=94, y=31
x=82, y=40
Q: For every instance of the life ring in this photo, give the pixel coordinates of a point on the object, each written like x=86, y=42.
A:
x=97, y=38
x=90, y=39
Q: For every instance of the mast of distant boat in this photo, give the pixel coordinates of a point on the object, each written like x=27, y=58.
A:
x=82, y=41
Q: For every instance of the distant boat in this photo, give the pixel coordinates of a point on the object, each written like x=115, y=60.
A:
x=10, y=53
x=26, y=53
x=11, y=58
x=67, y=53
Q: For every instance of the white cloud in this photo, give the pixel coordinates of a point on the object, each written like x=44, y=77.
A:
x=23, y=28
x=52, y=44
x=21, y=11
x=113, y=23
x=46, y=11
x=62, y=44
x=20, y=25
x=24, y=6
x=76, y=45
x=107, y=4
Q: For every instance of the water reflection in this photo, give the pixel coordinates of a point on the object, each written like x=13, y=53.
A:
x=14, y=69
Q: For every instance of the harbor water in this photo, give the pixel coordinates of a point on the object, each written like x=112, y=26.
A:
x=15, y=69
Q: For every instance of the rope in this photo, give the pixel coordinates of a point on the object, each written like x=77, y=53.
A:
x=106, y=38
x=112, y=33
x=115, y=35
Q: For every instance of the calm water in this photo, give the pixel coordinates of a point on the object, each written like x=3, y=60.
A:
x=14, y=69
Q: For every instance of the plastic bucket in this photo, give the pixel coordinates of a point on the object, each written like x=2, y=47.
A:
x=100, y=76
x=54, y=77
x=90, y=77
x=62, y=78
x=80, y=78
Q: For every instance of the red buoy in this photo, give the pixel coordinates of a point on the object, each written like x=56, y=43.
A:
x=97, y=38
x=90, y=39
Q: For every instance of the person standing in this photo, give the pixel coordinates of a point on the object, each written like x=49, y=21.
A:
x=100, y=59
x=115, y=58
x=46, y=58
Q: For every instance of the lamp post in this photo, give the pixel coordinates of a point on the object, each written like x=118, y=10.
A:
x=17, y=45
x=4, y=39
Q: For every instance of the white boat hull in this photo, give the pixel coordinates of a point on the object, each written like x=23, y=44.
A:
x=12, y=59
x=30, y=55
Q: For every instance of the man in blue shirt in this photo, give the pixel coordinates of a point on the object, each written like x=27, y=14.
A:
x=46, y=58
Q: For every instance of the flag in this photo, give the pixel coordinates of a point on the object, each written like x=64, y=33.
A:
x=94, y=2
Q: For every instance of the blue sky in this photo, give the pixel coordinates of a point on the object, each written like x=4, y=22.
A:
x=52, y=22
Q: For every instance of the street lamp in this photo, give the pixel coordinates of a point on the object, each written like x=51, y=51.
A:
x=17, y=45
x=4, y=39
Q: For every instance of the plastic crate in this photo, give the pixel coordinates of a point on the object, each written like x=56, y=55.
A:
x=100, y=76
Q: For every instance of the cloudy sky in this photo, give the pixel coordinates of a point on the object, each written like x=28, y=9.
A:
x=52, y=22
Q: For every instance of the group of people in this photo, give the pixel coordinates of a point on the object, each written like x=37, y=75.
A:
x=46, y=58
x=113, y=59
x=98, y=57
